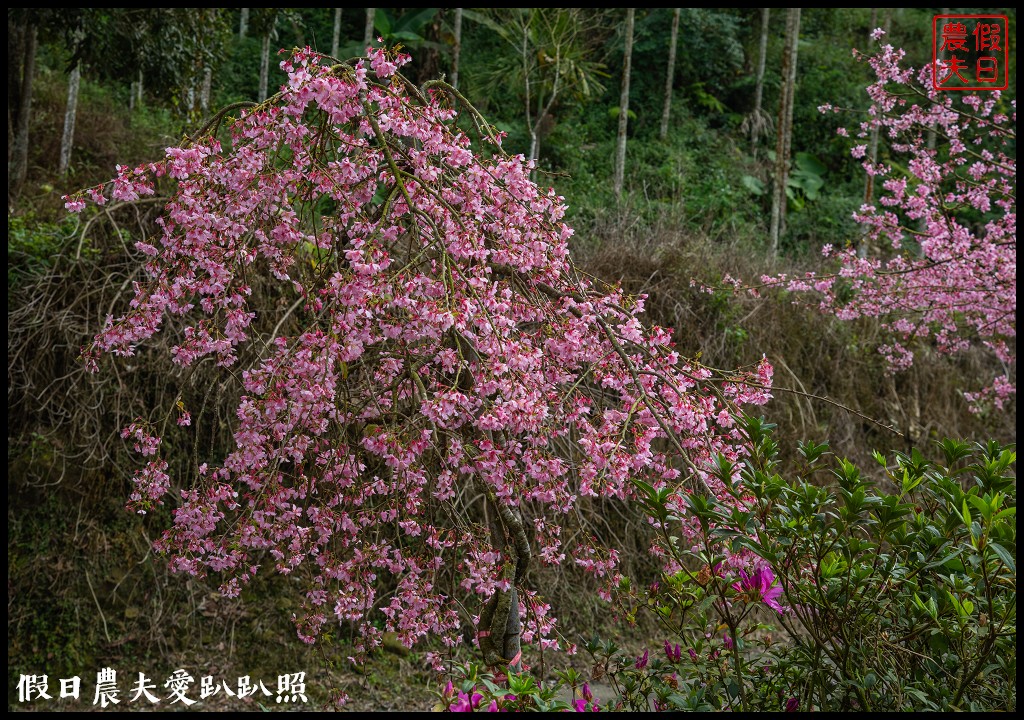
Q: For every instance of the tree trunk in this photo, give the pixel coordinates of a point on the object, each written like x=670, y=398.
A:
x=264, y=67
x=536, y=126
x=204, y=90
x=666, y=111
x=784, y=130
x=537, y=129
x=15, y=56
x=371, y=14
x=17, y=167
x=457, y=50
x=524, y=54
x=336, y=37
x=790, y=98
x=500, y=628
x=300, y=35
x=70, y=113
x=873, y=141
x=429, y=57
x=620, y=143
x=243, y=23
x=762, y=57
x=135, y=93
x=778, y=186
x=869, y=182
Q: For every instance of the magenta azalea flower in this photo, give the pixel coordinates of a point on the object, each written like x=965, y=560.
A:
x=641, y=662
x=582, y=705
x=587, y=702
x=466, y=703
x=762, y=583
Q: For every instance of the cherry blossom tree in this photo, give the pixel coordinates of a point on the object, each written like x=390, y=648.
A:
x=455, y=391
x=941, y=243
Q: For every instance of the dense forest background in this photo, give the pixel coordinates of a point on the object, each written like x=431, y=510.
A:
x=703, y=119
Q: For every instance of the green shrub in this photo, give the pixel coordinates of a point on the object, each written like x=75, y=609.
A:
x=33, y=246
x=892, y=595
x=899, y=594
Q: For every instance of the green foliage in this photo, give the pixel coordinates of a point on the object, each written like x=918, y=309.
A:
x=544, y=58
x=700, y=97
x=475, y=688
x=696, y=176
x=755, y=185
x=53, y=621
x=805, y=179
x=895, y=599
x=899, y=594
x=828, y=219
x=33, y=246
x=709, y=57
x=407, y=29
x=168, y=46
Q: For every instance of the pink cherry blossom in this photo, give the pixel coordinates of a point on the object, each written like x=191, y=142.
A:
x=440, y=347
x=936, y=263
x=75, y=205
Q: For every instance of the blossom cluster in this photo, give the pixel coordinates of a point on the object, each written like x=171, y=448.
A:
x=443, y=348
x=937, y=261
